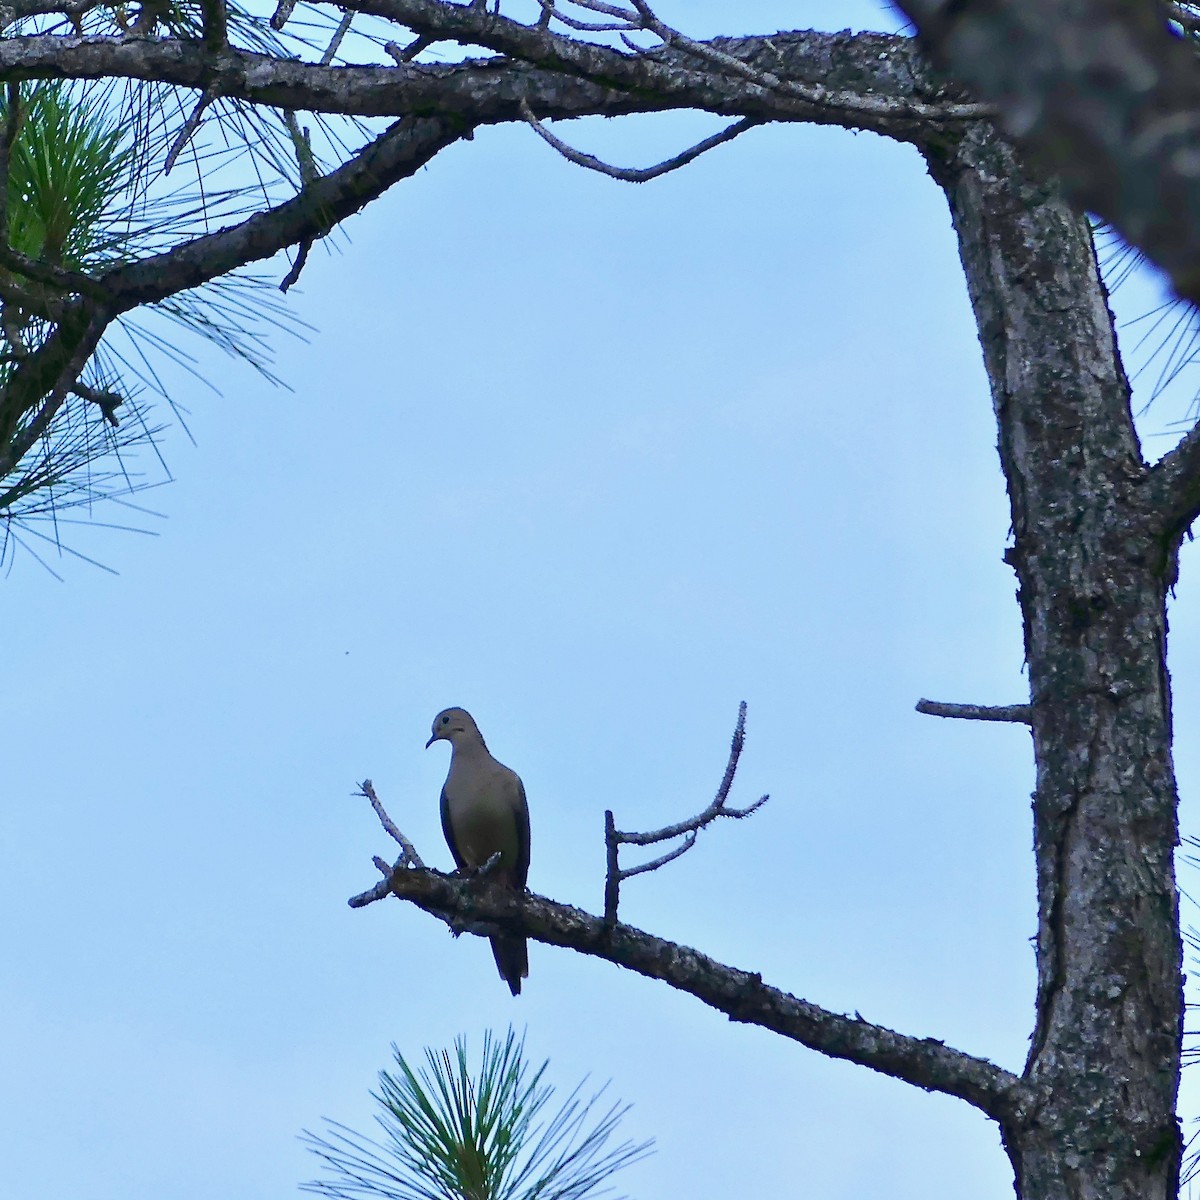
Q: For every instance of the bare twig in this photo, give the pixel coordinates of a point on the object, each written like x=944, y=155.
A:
x=410, y=857
x=334, y=42
x=190, y=126
x=662, y=860
x=627, y=19
x=742, y=995
x=302, y=144
x=283, y=10
x=632, y=174
x=1020, y=714
x=607, y=10
x=615, y=875
x=405, y=54
x=298, y=265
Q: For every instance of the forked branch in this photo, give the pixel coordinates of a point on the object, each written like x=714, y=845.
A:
x=409, y=856
x=614, y=838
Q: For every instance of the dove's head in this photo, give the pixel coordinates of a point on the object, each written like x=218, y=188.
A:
x=454, y=725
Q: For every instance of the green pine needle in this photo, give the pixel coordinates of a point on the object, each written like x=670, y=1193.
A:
x=451, y=1133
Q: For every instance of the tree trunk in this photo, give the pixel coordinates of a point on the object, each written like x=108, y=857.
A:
x=1093, y=568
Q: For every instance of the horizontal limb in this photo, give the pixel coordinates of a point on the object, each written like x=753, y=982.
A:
x=1020, y=714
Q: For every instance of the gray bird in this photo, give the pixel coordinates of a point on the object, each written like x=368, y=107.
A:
x=484, y=812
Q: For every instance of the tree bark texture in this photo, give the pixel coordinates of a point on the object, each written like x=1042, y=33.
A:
x=1093, y=567
x=1104, y=93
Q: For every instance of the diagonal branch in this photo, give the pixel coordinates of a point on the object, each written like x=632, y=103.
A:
x=409, y=857
x=43, y=381
x=741, y=995
x=397, y=153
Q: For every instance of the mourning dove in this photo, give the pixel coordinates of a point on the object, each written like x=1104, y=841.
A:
x=484, y=813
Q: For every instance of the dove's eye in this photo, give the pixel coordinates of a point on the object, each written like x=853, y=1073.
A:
x=445, y=720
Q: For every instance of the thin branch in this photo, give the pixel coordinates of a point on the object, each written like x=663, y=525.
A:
x=405, y=54
x=628, y=15
x=302, y=144
x=662, y=860
x=395, y=154
x=1021, y=714
x=627, y=19
x=298, y=264
x=190, y=126
x=630, y=174
x=615, y=875
x=410, y=856
x=17, y=10
x=281, y=14
x=742, y=995
x=60, y=279
x=335, y=42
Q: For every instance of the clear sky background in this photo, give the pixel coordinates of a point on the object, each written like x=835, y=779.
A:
x=596, y=461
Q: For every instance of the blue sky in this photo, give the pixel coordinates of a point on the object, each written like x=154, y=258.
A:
x=598, y=462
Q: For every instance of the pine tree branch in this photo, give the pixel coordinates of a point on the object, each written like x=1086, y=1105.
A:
x=741, y=995
x=862, y=81
x=397, y=153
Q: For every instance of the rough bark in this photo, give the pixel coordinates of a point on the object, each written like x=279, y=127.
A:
x=1103, y=94
x=1093, y=572
x=475, y=906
